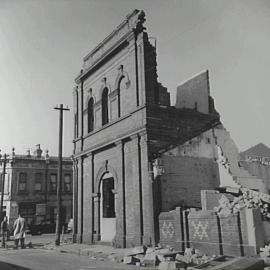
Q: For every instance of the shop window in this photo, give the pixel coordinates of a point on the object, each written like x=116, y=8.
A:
x=22, y=182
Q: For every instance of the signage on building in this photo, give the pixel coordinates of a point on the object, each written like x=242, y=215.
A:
x=41, y=209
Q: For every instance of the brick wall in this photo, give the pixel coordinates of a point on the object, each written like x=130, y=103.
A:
x=172, y=227
x=194, y=93
x=237, y=234
x=184, y=178
x=204, y=231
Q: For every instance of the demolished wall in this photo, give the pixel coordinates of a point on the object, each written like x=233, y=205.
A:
x=208, y=160
x=231, y=161
x=236, y=234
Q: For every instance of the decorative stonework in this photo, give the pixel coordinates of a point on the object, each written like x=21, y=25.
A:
x=133, y=22
x=167, y=229
x=200, y=229
x=122, y=75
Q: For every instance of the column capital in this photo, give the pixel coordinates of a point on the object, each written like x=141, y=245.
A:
x=118, y=143
x=143, y=138
x=133, y=136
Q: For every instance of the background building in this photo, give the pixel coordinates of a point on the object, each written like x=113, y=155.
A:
x=256, y=160
x=31, y=184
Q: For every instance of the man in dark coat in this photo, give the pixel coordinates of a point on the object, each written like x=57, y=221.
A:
x=4, y=230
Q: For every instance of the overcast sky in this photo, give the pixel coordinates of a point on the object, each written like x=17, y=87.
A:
x=42, y=44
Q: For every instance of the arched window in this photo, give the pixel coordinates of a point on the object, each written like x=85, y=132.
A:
x=104, y=105
x=119, y=96
x=76, y=126
x=90, y=115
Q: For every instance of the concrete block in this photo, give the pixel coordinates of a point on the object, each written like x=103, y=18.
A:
x=161, y=258
x=240, y=263
x=171, y=265
x=130, y=260
x=136, y=250
x=147, y=262
x=150, y=250
x=182, y=258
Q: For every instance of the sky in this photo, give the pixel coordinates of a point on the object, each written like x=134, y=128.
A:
x=42, y=43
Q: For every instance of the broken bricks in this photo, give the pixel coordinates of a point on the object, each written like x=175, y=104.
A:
x=167, y=265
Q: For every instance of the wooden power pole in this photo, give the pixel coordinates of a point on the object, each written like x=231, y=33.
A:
x=3, y=185
x=59, y=178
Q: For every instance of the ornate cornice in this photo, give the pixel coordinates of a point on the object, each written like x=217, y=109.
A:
x=132, y=23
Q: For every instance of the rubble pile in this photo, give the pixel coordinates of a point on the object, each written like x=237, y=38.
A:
x=247, y=199
x=265, y=254
x=166, y=258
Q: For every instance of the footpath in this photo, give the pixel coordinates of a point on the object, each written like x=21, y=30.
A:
x=147, y=258
x=118, y=255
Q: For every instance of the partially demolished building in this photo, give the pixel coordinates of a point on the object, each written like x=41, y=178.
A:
x=135, y=155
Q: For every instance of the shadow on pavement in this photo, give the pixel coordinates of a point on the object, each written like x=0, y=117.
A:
x=10, y=266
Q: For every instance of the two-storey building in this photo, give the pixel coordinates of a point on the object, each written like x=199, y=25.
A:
x=30, y=187
x=123, y=122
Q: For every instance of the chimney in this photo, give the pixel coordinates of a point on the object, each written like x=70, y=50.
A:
x=38, y=151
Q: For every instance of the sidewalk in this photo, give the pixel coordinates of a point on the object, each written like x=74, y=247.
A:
x=87, y=250
x=100, y=252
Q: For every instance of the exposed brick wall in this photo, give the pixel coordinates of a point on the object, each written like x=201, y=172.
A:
x=172, y=226
x=204, y=231
x=233, y=235
x=184, y=179
x=231, y=154
x=194, y=94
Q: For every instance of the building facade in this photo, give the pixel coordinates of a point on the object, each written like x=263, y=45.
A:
x=31, y=184
x=256, y=160
x=123, y=124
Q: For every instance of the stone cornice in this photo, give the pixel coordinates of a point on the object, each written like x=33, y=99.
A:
x=133, y=22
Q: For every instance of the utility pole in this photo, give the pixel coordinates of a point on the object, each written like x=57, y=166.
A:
x=59, y=178
x=47, y=161
x=3, y=184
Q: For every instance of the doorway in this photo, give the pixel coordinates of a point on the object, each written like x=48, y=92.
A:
x=107, y=208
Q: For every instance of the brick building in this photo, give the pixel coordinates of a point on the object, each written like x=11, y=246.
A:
x=256, y=160
x=30, y=187
x=123, y=125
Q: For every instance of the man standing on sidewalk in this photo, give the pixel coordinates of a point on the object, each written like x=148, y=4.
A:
x=19, y=231
x=4, y=229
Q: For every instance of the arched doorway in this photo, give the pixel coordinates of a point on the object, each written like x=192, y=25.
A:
x=107, y=208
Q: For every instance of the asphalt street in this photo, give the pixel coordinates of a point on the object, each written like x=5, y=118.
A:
x=38, y=258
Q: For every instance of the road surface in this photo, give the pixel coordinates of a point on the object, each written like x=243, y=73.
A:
x=41, y=259
x=38, y=258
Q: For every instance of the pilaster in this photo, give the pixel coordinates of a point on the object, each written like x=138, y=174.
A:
x=147, y=196
x=75, y=199
x=120, y=239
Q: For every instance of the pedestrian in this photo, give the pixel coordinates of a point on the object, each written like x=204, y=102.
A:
x=4, y=230
x=19, y=231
